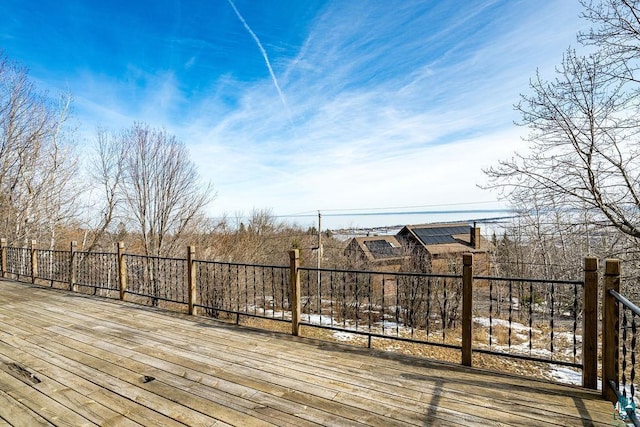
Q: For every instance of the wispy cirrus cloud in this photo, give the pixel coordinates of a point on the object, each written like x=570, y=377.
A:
x=397, y=103
x=381, y=119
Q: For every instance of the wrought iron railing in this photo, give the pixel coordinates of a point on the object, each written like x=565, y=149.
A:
x=231, y=289
x=422, y=308
x=96, y=271
x=53, y=266
x=18, y=262
x=551, y=321
x=157, y=278
x=538, y=320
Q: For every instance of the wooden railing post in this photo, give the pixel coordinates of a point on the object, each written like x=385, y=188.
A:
x=3, y=256
x=191, y=279
x=590, y=324
x=72, y=270
x=122, y=271
x=467, y=313
x=610, y=330
x=34, y=262
x=294, y=258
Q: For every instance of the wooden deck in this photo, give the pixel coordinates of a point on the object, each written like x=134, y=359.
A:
x=69, y=359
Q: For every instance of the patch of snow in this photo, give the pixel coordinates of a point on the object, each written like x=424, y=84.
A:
x=277, y=314
x=317, y=319
x=565, y=375
x=389, y=325
x=343, y=336
x=515, y=326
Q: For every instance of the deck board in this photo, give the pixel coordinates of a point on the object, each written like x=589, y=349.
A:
x=91, y=356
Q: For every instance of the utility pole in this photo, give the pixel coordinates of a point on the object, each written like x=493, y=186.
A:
x=319, y=239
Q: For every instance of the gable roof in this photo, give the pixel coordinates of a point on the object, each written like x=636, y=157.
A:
x=436, y=235
x=379, y=248
x=443, y=238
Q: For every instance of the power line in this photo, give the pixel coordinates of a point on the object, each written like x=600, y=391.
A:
x=358, y=211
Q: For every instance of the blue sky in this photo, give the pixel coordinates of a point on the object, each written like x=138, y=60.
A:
x=300, y=105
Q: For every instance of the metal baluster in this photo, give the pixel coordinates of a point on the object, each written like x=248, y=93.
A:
x=384, y=278
x=425, y=292
x=357, y=302
x=397, y=310
x=331, y=296
x=174, y=285
x=530, y=317
x=237, y=282
x=624, y=352
x=182, y=290
x=246, y=289
x=369, y=310
x=511, y=309
x=319, y=302
x=164, y=278
x=490, y=312
x=265, y=303
x=633, y=356
x=217, y=299
x=255, y=302
x=282, y=292
x=444, y=305
x=202, y=289
x=412, y=320
x=553, y=288
x=344, y=300
x=180, y=281
x=264, y=297
x=207, y=295
x=224, y=286
x=273, y=295
x=428, y=306
x=575, y=322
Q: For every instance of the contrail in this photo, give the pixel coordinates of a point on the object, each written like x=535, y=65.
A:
x=264, y=54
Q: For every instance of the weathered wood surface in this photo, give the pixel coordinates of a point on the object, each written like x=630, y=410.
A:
x=70, y=359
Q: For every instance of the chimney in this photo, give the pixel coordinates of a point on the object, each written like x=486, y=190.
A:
x=475, y=237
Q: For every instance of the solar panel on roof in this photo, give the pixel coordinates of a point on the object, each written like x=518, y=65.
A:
x=382, y=249
x=440, y=235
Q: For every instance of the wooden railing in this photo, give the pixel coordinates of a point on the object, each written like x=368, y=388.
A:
x=537, y=319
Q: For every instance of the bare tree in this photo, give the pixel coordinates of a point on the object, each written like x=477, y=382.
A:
x=36, y=159
x=616, y=33
x=106, y=171
x=161, y=189
x=584, y=128
x=583, y=150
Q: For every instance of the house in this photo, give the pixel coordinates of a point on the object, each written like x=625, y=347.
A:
x=436, y=248
x=442, y=245
x=384, y=253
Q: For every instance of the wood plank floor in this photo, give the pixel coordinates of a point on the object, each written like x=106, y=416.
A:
x=72, y=360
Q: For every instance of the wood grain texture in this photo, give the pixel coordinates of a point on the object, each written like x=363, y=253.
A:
x=107, y=362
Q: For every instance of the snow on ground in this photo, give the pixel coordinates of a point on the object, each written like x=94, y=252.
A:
x=568, y=336
x=565, y=375
x=343, y=336
x=318, y=319
x=515, y=326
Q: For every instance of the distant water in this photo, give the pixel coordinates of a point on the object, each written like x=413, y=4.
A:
x=485, y=218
